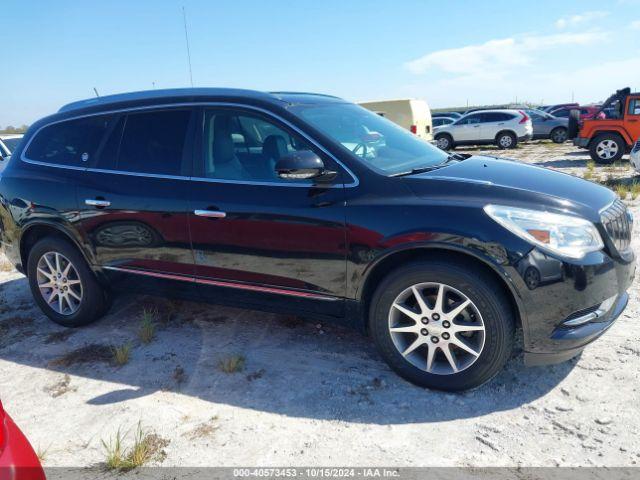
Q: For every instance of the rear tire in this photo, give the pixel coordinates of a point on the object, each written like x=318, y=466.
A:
x=487, y=300
x=558, y=135
x=506, y=140
x=607, y=148
x=76, y=297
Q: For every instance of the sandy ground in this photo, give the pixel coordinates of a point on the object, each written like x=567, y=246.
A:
x=309, y=394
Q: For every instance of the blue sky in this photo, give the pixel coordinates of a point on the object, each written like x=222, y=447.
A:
x=448, y=53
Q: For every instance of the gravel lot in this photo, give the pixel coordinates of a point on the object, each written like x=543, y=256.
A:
x=308, y=394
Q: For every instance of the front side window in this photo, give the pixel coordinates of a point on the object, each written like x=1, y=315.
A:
x=70, y=143
x=379, y=143
x=242, y=146
x=634, y=106
x=469, y=120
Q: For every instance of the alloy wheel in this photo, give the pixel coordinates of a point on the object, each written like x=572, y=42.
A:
x=607, y=149
x=560, y=136
x=443, y=143
x=59, y=283
x=506, y=141
x=436, y=328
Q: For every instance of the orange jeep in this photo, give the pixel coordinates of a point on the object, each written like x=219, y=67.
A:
x=612, y=131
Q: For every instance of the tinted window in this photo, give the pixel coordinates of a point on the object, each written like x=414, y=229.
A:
x=470, y=119
x=564, y=113
x=241, y=146
x=152, y=142
x=634, y=106
x=71, y=142
x=495, y=117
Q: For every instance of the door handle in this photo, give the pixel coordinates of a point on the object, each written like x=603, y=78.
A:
x=210, y=213
x=97, y=203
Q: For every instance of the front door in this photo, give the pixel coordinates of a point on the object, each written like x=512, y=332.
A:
x=257, y=234
x=468, y=129
x=134, y=197
x=633, y=118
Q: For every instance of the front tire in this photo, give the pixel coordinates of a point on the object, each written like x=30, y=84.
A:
x=445, y=142
x=442, y=325
x=506, y=140
x=62, y=284
x=607, y=148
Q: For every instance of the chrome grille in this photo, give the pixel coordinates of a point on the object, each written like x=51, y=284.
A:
x=617, y=223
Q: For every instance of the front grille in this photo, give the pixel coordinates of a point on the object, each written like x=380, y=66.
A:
x=617, y=223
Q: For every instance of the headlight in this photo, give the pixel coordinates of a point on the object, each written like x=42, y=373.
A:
x=562, y=234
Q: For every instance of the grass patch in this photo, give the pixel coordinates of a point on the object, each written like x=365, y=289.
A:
x=146, y=447
x=635, y=190
x=121, y=354
x=622, y=191
x=5, y=264
x=41, y=453
x=58, y=337
x=232, y=364
x=147, y=330
x=61, y=387
x=205, y=429
x=93, y=353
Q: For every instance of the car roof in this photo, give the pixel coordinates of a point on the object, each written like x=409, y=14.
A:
x=194, y=95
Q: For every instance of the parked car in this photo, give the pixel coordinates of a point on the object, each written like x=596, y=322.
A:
x=611, y=134
x=440, y=121
x=504, y=128
x=550, y=108
x=307, y=204
x=414, y=115
x=454, y=115
x=635, y=156
x=8, y=143
x=585, y=111
x=18, y=461
x=546, y=126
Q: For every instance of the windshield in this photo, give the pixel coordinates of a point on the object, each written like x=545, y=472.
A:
x=11, y=143
x=378, y=142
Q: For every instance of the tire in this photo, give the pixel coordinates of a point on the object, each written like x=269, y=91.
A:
x=558, y=135
x=506, y=140
x=93, y=300
x=445, y=141
x=607, y=148
x=573, y=126
x=487, y=300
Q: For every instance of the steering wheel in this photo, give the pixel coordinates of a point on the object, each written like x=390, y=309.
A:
x=362, y=146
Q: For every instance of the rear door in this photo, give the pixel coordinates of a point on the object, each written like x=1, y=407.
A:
x=134, y=196
x=263, y=236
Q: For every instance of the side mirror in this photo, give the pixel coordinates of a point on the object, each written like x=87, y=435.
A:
x=302, y=165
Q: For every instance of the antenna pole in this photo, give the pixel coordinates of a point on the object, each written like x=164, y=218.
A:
x=96, y=90
x=186, y=36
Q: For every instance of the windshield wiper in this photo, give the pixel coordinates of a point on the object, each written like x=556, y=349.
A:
x=452, y=157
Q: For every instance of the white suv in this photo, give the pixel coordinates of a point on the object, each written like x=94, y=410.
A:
x=504, y=128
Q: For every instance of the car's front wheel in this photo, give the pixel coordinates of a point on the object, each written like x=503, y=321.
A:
x=442, y=325
x=62, y=284
x=444, y=141
x=607, y=148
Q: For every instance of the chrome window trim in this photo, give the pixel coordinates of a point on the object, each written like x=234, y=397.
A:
x=354, y=183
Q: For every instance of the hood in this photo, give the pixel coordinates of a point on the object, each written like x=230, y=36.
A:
x=485, y=180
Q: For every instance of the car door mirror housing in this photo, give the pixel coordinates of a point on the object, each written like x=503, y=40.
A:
x=300, y=165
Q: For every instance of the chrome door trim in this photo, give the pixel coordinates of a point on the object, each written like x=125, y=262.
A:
x=209, y=213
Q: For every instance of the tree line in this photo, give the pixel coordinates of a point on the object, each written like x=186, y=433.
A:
x=12, y=129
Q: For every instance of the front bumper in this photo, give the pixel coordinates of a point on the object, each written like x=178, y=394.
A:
x=581, y=142
x=555, y=291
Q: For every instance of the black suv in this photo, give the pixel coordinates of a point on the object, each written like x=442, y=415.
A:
x=308, y=204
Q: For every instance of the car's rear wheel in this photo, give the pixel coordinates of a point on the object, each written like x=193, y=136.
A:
x=442, y=325
x=62, y=284
x=444, y=141
x=607, y=148
x=558, y=135
x=506, y=140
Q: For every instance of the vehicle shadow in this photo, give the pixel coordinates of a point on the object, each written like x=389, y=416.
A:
x=291, y=367
x=563, y=163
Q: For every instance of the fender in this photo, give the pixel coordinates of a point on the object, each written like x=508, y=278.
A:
x=613, y=129
x=485, y=259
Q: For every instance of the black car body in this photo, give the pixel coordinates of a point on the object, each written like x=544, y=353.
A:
x=151, y=218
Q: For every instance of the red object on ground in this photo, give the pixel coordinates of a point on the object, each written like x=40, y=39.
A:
x=18, y=461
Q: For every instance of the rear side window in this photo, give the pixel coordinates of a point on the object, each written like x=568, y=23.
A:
x=69, y=143
x=496, y=117
x=153, y=142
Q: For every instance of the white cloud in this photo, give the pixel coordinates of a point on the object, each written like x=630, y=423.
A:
x=580, y=19
x=497, y=56
x=635, y=24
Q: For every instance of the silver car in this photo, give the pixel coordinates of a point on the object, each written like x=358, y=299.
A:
x=546, y=126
